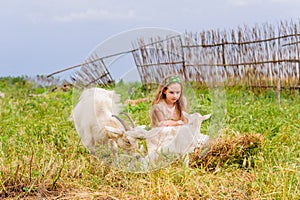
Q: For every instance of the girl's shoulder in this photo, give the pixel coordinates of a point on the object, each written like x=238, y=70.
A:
x=160, y=105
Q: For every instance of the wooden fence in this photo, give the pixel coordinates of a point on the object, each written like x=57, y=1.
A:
x=92, y=71
x=260, y=56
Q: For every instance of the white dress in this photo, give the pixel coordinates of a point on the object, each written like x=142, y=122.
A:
x=174, y=140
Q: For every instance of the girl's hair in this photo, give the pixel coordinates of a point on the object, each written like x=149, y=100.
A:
x=180, y=104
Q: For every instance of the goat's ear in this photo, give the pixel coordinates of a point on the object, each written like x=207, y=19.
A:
x=113, y=132
x=205, y=117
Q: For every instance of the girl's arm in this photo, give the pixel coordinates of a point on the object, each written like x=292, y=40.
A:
x=172, y=123
x=163, y=122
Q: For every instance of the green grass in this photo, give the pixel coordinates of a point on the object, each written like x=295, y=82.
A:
x=41, y=154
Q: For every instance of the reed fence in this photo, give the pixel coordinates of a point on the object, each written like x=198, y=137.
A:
x=261, y=56
x=92, y=71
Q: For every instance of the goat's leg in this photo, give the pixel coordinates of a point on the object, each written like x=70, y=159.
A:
x=88, y=141
x=114, y=148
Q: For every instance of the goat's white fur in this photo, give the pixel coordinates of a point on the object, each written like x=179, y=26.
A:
x=93, y=114
x=94, y=123
x=167, y=140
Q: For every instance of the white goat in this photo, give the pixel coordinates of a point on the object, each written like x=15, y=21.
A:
x=94, y=114
x=173, y=140
x=96, y=121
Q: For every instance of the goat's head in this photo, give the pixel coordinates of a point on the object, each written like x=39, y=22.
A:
x=124, y=141
x=196, y=119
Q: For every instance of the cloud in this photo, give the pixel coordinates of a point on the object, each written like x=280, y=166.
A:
x=244, y=2
x=257, y=2
x=96, y=15
x=284, y=1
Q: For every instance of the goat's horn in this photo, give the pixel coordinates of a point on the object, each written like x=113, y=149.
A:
x=122, y=122
x=130, y=119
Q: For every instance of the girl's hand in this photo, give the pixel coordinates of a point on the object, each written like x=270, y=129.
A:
x=180, y=122
x=172, y=123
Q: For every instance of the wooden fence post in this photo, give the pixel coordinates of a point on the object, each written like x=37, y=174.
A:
x=224, y=61
x=298, y=54
x=183, y=59
x=278, y=88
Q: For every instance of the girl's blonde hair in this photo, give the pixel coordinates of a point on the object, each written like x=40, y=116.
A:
x=180, y=104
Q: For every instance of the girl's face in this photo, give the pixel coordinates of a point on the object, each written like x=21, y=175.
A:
x=173, y=92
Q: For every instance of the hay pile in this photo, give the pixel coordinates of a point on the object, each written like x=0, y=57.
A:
x=237, y=150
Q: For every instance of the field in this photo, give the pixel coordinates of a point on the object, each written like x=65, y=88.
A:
x=42, y=157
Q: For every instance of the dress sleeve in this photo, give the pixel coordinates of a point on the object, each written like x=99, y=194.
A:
x=157, y=115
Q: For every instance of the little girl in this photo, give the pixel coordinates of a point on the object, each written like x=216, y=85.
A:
x=169, y=104
x=174, y=132
x=173, y=129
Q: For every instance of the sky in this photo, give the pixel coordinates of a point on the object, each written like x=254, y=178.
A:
x=39, y=37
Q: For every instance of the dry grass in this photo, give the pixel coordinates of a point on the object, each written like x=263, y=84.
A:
x=227, y=150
